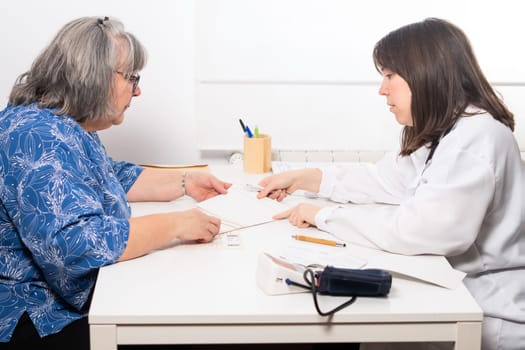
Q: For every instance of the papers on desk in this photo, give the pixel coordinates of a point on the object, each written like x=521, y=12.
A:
x=429, y=268
x=273, y=268
x=240, y=208
x=314, y=255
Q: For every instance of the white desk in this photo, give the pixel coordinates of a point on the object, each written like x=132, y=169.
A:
x=207, y=294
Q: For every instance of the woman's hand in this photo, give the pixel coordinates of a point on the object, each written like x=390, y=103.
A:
x=194, y=224
x=302, y=215
x=155, y=231
x=278, y=186
x=201, y=185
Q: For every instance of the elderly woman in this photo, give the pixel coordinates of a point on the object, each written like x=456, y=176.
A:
x=64, y=209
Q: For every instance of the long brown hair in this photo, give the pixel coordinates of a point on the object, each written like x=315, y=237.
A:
x=437, y=61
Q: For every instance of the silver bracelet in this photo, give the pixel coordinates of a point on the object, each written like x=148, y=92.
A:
x=183, y=183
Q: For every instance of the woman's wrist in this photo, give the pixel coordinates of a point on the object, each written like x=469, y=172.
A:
x=309, y=179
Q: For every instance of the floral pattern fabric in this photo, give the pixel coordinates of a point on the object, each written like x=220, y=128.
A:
x=63, y=215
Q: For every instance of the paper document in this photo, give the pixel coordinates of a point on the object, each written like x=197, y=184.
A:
x=433, y=269
x=316, y=256
x=241, y=208
x=273, y=269
x=429, y=268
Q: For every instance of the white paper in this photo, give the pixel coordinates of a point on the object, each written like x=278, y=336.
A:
x=241, y=208
x=314, y=256
x=429, y=268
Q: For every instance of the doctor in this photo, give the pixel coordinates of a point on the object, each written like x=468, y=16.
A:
x=455, y=187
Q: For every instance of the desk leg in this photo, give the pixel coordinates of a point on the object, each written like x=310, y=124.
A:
x=103, y=337
x=468, y=336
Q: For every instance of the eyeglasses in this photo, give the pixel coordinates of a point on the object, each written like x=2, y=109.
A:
x=132, y=78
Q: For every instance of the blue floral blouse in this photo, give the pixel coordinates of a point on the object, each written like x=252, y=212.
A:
x=63, y=215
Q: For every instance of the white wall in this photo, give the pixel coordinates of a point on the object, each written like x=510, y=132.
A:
x=300, y=69
x=159, y=126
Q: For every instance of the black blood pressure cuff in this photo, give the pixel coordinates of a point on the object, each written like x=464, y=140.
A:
x=353, y=282
x=344, y=282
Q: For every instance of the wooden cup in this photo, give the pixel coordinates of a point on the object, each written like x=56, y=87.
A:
x=257, y=154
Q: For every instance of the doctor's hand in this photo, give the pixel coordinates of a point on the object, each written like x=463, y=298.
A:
x=302, y=215
x=279, y=185
x=201, y=185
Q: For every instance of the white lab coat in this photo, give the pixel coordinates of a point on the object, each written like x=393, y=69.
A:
x=468, y=204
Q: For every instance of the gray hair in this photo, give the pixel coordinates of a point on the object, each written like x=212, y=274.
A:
x=74, y=73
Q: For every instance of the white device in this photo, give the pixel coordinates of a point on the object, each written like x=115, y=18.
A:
x=272, y=273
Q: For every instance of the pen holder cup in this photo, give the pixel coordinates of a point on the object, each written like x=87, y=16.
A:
x=257, y=154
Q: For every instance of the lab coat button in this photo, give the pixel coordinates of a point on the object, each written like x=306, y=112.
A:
x=424, y=181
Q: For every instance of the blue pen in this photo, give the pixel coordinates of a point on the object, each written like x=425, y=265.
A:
x=249, y=132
